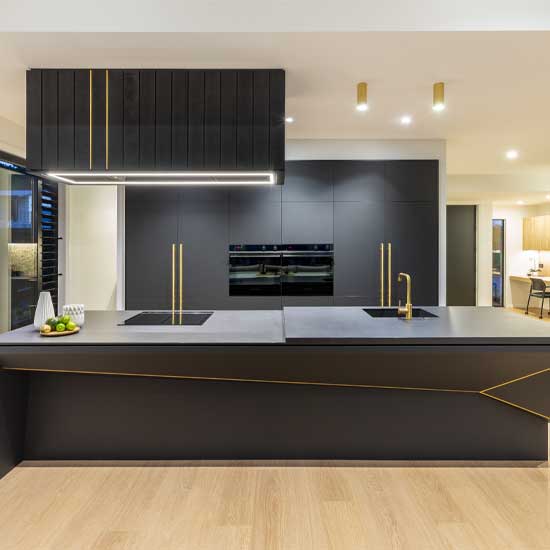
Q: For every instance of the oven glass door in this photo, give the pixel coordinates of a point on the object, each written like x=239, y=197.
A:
x=308, y=273
x=254, y=273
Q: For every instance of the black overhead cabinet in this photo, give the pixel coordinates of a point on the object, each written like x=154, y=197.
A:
x=126, y=119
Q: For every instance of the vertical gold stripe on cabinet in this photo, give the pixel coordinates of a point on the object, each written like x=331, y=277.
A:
x=389, y=274
x=381, y=274
x=91, y=119
x=173, y=282
x=181, y=282
x=107, y=119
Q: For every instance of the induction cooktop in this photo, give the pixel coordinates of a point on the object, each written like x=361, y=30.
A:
x=167, y=318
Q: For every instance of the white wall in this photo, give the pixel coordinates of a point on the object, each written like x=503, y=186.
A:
x=398, y=149
x=91, y=246
x=484, y=252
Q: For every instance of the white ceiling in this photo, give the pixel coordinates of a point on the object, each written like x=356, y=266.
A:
x=497, y=83
x=274, y=15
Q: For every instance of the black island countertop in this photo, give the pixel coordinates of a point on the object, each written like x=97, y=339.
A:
x=306, y=325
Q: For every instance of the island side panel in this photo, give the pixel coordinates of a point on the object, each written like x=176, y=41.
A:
x=88, y=417
x=13, y=403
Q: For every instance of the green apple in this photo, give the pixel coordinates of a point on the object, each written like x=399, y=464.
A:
x=60, y=327
x=65, y=319
x=70, y=325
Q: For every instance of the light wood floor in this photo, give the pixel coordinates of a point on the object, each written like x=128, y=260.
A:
x=339, y=506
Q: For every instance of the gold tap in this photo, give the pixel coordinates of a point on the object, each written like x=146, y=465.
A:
x=406, y=310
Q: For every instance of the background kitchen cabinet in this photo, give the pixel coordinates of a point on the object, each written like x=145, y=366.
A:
x=308, y=222
x=152, y=219
x=411, y=180
x=358, y=232
x=359, y=188
x=204, y=231
x=356, y=205
x=308, y=181
x=255, y=216
x=412, y=230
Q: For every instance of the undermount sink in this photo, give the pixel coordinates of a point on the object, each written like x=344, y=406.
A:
x=391, y=313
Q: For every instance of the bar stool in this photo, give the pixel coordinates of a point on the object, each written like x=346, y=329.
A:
x=538, y=290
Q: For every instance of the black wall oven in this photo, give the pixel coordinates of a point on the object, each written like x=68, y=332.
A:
x=281, y=270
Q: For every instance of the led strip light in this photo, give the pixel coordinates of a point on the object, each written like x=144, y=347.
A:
x=165, y=178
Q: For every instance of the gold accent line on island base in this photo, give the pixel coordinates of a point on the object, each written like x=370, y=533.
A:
x=514, y=405
x=91, y=112
x=106, y=119
x=227, y=379
x=515, y=380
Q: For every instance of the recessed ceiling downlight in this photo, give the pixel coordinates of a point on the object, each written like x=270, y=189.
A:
x=406, y=120
x=362, y=99
x=165, y=178
x=438, y=104
x=512, y=154
x=289, y=119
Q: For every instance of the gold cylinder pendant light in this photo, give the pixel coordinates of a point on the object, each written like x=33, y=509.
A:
x=362, y=103
x=439, y=96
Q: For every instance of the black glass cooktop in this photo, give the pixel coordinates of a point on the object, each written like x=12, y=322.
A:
x=166, y=318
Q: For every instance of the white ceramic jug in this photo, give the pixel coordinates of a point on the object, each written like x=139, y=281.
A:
x=44, y=310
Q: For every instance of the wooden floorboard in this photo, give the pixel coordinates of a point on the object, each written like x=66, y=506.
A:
x=275, y=505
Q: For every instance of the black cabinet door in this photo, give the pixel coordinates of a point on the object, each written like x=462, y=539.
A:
x=412, y=180
x=204, y=233
x=151, y=229
x=359, y=180
x=358, y=232
x=412, y=230
x=308, y=180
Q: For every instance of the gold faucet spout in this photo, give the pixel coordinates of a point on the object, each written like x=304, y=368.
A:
x=407, y=309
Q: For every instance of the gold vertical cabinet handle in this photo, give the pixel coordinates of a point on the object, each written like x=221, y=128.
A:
x=173, y=282
x=91, y=123
x=106, y=120
x=389, y=274
x=181, y=283
x=381, y=274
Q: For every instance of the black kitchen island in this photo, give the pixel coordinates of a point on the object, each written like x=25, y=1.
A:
x=304, y=383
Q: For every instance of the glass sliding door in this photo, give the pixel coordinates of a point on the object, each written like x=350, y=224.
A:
x=19, y=251
x=498, y=263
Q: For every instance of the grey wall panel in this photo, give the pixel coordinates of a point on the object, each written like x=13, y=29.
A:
x=308, y=222
x=307, y=301
x=358, y=232
x=461, y=255
x=308, y=180
x=358, y=180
